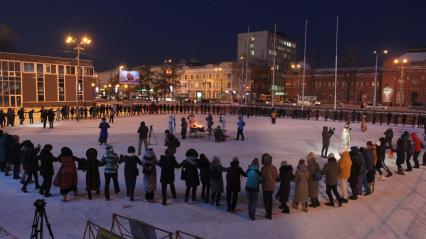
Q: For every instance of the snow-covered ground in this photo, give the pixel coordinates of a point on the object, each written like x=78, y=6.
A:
x=397, y=209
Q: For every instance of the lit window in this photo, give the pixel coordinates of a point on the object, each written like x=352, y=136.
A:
x=29, y=67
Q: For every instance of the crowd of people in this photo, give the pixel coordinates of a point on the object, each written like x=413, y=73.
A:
x=357, y=167
x=110, y=111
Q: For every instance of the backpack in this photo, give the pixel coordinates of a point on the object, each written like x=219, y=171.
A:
x=148, y=169
x=317, y=176
x=253, y=178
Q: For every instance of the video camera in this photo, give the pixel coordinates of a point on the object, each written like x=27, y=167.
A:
x=40, y=203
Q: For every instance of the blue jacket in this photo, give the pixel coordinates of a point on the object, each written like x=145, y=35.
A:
x=254, y=178
x=240, y=124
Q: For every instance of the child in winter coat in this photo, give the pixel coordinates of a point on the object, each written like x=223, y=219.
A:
x=168, y=164
x=216, y=181
x=233, y=183
x=254, y=178
x=149, y=171
x=93, y=178
x=131, y=171
x=190, y=174
x=204, y=166
x=286, y=176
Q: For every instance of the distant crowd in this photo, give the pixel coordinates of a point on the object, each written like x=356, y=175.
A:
x=48, y=116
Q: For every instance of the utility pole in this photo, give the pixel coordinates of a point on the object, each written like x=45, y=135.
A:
x=274, y=67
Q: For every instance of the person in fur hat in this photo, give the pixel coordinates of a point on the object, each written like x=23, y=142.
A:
x=168, y=164
x=286, y=176
x=190, y=174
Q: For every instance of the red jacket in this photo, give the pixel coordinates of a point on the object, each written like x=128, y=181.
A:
x=417, y=143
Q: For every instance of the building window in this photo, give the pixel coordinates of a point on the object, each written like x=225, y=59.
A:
x=61, y=84
x=88, y=71
x=28, y=67
x=40, y=83
x=70, y=70
x=50, y=69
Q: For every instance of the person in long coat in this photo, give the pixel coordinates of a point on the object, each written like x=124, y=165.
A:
x=418, y=146
x=190, y=174
x=301, y=194
x=46, y=169
x=93, y=178
x=149, y=171
x=286, y=176
x=12, y=154
x=269, y=176
x=204, y=166
x=216, y=180
x=313, y=184
x=168, y=164
x=67, y=178
x=28, y=157
x=103, y=135
x=233, y=183
x=345, y=164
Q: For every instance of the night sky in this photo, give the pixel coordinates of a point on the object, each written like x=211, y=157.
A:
x=146, y=32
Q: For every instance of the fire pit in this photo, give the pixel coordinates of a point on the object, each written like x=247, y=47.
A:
x=195, y=128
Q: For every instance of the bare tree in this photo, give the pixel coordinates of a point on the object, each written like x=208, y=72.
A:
x=8, y=38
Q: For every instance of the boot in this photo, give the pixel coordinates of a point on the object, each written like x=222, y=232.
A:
x=313, y=203
x=401, y=172
x=24, y=189
x=330, y=204
x=317, y=203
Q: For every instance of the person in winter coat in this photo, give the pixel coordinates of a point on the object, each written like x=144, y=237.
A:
x=110, y=160
x=209, y=120
x=331, y=171
x=171, y=123
x=368, y=179
x=326, y=135
x=301, y=194
x=168, y=164
x=410, y=150
x=143, y=137
x=269, y=177
x=3, y=148
x=240, y=128
x=190, y=174
x=233, y=183
x=418, y=145
x=401, y=148
x=12, y=154
x=388, y=137
x=103, y=135
x=204, y=166
x=46, y=169
x=274, y=115
x=131, y=171
x=381, y=156
x=171, y=142
x=222, y=121
x=356, y=169
x=149, y=161
x=28, y=158
x=66, y=178
x=345, y=164
x=50, y=117
x=184, y=128
x=286, y=176
x=254, y=178
x=93, y=178
x=313, y=182
x=216, y=181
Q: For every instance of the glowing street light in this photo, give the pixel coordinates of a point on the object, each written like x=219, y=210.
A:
x=78, y=45
x=375, y=75
x=401, y=64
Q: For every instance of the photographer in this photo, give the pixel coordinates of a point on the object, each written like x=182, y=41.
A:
x=143, y=135
x=326, y=135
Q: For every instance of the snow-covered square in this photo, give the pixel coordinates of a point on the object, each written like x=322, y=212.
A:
x=397, y=208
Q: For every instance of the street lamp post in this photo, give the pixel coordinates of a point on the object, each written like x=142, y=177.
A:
x=375, y=76
x=296, y=67
x=78, y=44
x=401, y=81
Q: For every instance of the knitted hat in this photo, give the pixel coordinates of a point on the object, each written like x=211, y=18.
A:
x=331, y=155
x=191, y=153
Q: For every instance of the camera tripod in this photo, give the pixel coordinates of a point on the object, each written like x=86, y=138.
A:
x=151, y=134
x=39, y=216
